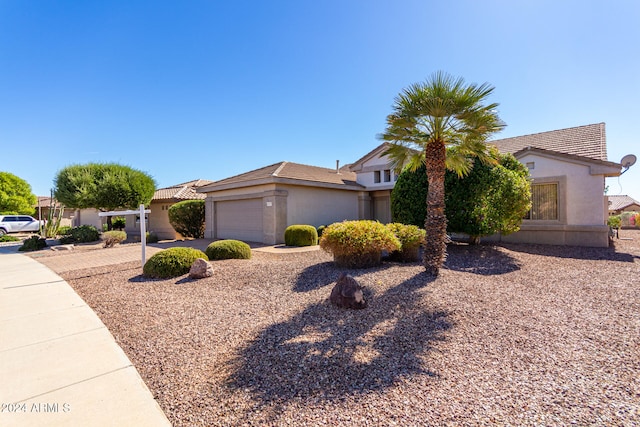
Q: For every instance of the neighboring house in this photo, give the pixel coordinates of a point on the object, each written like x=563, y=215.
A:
x=162, y=200
x=71, y=217
x=619, y=204
x=568, y=169
x=44, y=205
x=258, y=206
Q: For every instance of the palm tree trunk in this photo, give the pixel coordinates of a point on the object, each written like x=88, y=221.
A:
x=435, y=250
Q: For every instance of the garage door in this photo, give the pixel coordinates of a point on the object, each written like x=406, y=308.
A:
x=240, y=220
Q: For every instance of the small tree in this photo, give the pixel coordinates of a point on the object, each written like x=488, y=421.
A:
x=103, y=186
x=15, y=195
x=187, y=218
x=490, y=199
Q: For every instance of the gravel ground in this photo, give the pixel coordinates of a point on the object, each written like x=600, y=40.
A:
x=508, y=335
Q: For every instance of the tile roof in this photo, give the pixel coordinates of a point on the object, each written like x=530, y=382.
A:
x=586, y=141
x=290, y=171
x=620, y=202
x=184, y=191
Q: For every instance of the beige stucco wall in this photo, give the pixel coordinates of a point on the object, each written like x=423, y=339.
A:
x=159, y=221
x=582, y=206
x=317, y=206
x=87, y=217
x=584, y=201
x=365, y=176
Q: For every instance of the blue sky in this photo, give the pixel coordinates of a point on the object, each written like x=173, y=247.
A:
x=208, y=89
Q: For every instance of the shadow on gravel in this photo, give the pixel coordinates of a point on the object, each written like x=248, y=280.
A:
x=328, y=353
x=325, y=273
x=479, y=259
x=574, y=252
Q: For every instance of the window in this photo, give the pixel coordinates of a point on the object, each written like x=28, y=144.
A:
x=544, y=202
x=376, y=177
x=387, y=175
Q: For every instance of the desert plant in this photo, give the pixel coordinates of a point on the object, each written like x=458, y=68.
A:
x=152, y=237
x=81, y=234
x=113, y=237
x=228, y=249
x=411, y=238
x=300, y=235
x=33, y=243
x=187, y=218
x=172, y=262
x=358, y=244
x=8, y=238
x=51, y=227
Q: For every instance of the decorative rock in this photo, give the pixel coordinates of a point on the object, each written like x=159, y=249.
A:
x=62, y=248
x=200, y=269
x=347, y=293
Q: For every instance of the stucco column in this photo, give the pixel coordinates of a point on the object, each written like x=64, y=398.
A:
x=364, y=206
x=274, y=216
x=209, y=218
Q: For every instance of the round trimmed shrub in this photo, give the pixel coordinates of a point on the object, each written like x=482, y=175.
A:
x=300, y=235
x=411, y=238
x=228, y=249
x=358, y=244
x=172, y=262
x=320, y=230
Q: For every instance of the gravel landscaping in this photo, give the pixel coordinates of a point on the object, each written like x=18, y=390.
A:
x=508, y=334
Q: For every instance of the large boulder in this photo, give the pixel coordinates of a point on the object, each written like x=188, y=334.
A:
x=347, y=293
x=200, y=269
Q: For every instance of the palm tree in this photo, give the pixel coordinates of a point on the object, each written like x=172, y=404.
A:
x=442, y=123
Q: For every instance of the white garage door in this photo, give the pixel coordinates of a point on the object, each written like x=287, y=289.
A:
x=240, y=220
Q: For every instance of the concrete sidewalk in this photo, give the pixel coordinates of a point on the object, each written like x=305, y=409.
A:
x=59, y=365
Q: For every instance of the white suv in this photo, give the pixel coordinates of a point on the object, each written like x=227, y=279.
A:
x=18, y=224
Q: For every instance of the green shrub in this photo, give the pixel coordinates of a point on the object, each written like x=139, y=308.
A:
x=187, y=218
x=411, y=238
x=8, y=238
x=152, y=237
x=113, y=237
x=490, y=199
x=614, y=221
x=228, y=249
x=33, y=243
x=358, y=244
x=300, y=235
x=81, y=234
x=118, y=222
x=64, y=230
x=320, y=230
x=171, y=262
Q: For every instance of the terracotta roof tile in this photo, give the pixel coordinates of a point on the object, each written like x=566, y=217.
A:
x=586, y=141
x=620, y=202
x=184, y=191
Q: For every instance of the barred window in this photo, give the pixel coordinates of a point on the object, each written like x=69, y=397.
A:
x=544, y=202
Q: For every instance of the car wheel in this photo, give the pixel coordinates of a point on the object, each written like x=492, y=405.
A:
x=3, y=231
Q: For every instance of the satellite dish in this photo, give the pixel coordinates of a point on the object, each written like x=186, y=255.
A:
x=627, y=161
